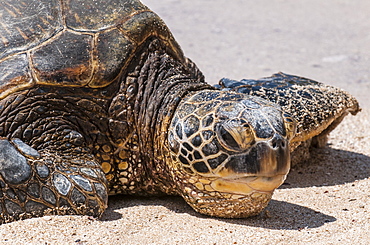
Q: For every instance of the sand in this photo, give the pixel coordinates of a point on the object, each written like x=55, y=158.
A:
x=323, y=201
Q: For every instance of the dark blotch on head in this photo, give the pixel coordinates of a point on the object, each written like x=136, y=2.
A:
x=245, y=163
x=259, y=123
x=197, y=155
x=288, y=118
x=207, y=121
x=196, y=141
x=186, y=109
x=200, y=167
x=179, y=130
x=210, y=149
x=187, y=146
x=275, y=119
x=184, y=152
x=207, y=134
x=263, y=129
x=183, y=160
x=191, y=125
x=215, y=162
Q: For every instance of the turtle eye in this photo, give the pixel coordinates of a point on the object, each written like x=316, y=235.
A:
x=290, y=126
x=235, y=134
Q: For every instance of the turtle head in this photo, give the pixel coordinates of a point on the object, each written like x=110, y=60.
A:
x=229, y=152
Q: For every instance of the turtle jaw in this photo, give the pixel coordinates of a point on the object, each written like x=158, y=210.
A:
x=233, y=197
x=227, y=205
x=248, y=185
x=262, y=170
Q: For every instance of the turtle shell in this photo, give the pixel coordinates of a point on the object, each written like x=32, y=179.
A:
x=80, y=43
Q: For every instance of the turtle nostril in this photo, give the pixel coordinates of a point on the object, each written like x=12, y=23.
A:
x=278, y=142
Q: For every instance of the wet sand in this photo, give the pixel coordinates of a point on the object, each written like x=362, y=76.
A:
x=323, y=201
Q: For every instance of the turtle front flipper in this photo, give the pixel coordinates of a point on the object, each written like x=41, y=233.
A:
x=36, y=183
x=317, y=108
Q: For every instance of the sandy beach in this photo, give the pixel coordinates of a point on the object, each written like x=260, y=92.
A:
x=325, y=200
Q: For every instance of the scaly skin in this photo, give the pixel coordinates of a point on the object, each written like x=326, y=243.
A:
x=91, y=142
x=46, y=166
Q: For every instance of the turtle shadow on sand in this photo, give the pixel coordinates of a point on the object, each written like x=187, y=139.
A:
x=327, y=167
x=279, y=215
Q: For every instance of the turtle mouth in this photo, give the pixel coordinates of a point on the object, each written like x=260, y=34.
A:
x=246, y=185
x=234, y=196
x=262, y=170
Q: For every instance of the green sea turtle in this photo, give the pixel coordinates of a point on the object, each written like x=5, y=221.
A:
x=97, y=98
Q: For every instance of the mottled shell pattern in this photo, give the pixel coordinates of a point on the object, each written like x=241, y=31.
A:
x=73, y=43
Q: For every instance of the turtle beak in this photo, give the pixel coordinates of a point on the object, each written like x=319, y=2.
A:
x=262, y=169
